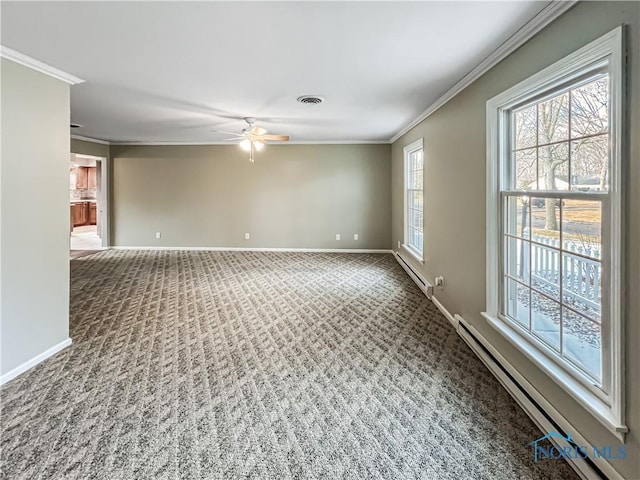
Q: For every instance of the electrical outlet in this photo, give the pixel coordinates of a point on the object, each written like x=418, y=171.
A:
x=439, y=281
x=247, y=236
x=158, y=234
x=355, y=236
x=337, y=236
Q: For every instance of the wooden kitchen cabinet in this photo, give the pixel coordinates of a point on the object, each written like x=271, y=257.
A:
x=93, y=213
x=78, y=214
x=82, y=178
x=84, y=213
x=86, y=177
x=91, y=177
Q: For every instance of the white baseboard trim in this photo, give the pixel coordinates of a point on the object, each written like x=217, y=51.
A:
x=535, y=405
x=266, y=249
x=418, y=279
x=34, y=361
x=452, y=319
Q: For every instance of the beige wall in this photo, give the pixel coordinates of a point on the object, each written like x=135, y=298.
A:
x=34, y=213
x=85, y=147
x=455, y=162
x=293, y=196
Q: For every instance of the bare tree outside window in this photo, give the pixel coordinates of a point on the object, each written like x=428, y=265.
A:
x=562, y=143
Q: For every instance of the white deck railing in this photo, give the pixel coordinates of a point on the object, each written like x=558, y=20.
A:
x=581, y=268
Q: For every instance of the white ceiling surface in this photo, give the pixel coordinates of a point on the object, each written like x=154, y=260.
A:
x=172, y=71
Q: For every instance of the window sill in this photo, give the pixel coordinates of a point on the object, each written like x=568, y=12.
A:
x=412, y=251
x=582, y=394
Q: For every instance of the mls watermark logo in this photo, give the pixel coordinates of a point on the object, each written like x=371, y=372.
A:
x=545, y=450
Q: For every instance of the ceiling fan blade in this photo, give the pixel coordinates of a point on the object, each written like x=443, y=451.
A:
x=258, y=131
x=235, y=134
x=279, y=138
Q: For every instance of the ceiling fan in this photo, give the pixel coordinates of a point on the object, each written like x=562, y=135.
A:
x=253, y=139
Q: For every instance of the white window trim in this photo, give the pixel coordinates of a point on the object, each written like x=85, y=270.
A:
x=409, y=149
x=608, y=408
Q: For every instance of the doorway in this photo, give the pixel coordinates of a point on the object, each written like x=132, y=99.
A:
x=88, y=221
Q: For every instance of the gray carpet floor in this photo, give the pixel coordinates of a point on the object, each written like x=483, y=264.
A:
x=224, y=365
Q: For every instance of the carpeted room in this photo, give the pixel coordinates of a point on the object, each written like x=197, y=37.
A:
x=262, y=365
x=268, y=314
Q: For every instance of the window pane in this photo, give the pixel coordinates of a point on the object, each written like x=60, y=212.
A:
x=590, y=164
x=545, y=319
x=415, y=200
x=545, y=268
x=582, y=277
x=582, y=227
x=553, y=167
x=545, y=219
x=553, y=119
x=526, y=169
x=416, y=180
x=517, y=259
x=525, y=128
x=581, y=342
x=414, y=192
x=582, y=285
x=518, y=216
x=590, y=108
x=517, y=302
x=417, y=220
x=417, y=160
x=417, y=240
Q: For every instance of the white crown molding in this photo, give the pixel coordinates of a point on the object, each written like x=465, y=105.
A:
x=548, y=14
x=38, y=66
x=338, y=142
x=168, y=143
x=89, y=139
x=301, y=142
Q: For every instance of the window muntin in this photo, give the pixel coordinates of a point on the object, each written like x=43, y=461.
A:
x=553, y=203
x=414, y=198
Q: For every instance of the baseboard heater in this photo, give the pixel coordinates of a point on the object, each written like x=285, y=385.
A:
x=529, y=404
x=586, y=468
x=419, y=280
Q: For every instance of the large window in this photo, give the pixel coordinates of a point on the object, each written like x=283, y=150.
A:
x=554, y=222
x=414, y=198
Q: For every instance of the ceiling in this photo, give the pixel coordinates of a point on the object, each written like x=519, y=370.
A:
x=173, y=71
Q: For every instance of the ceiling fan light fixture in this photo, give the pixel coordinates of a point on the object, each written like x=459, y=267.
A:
x=258, y=145
x=245, y=145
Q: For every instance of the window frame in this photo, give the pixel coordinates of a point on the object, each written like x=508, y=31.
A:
x=606, y=404
x=410, y=149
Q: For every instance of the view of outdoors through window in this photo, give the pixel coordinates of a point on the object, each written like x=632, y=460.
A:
x=552, y=243
x=415, y=194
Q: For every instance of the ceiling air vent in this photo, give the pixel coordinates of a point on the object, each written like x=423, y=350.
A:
x=75, y=125
x=311, y=99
